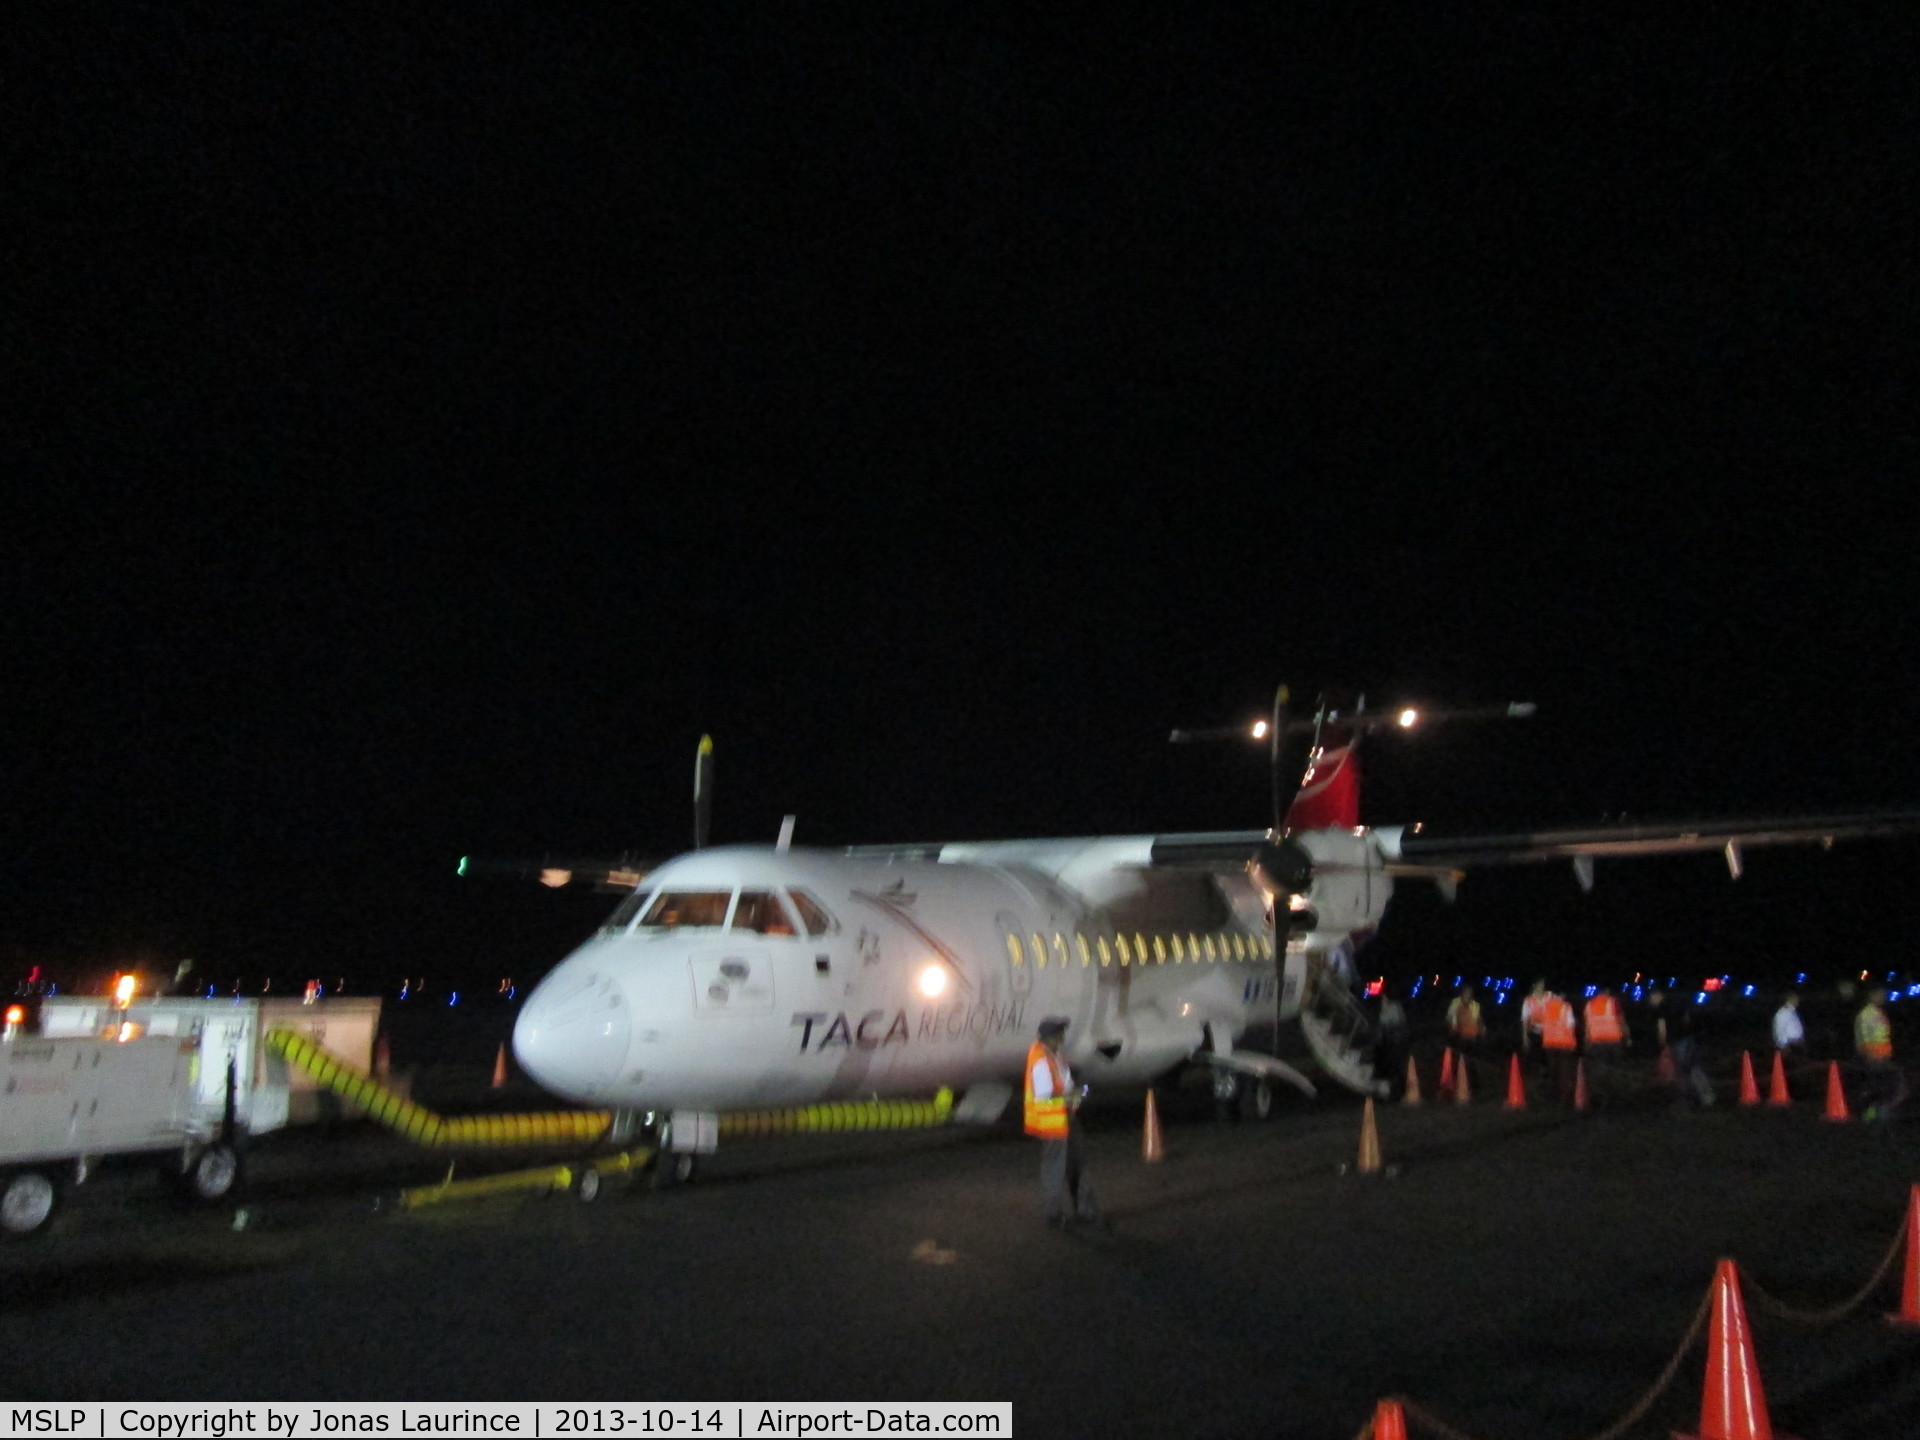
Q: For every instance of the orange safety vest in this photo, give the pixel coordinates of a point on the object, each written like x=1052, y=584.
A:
x=1873, y=1034
x=1046, y=1119
x=1463, y=1018
x=1531, y=1009
x=1556, y=1024
x=1603, y=1021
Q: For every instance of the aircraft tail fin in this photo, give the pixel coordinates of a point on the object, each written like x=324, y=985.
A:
x=1329, y=793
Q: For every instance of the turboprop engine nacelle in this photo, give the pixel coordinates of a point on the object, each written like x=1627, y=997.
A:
x=1337, y=877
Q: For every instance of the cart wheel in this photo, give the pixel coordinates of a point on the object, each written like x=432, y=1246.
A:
x=27, y=1198
x=212, y=1174
x=673, y=1168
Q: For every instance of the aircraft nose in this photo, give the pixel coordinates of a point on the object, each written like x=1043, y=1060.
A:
x=573, y=1032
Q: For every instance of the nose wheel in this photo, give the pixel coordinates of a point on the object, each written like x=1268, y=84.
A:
x=672, y=1168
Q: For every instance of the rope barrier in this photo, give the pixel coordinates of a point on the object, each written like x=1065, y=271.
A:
x=1831, y=1313
x=1427, y=1420
x=1635, y=1413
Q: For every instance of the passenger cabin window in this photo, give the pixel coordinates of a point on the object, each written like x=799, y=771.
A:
x=761, y=912
x=687, y=909
x=812, y=914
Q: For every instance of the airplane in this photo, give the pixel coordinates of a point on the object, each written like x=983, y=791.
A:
x=745, y=977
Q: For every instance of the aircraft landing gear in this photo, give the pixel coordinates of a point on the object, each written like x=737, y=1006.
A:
x=1256, y=1099
x=1226, y=1090
x=27, y=1198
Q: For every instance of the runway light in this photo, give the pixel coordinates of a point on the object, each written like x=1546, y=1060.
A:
x=1711, y=983
x=933, y=982
x=1259, y=731
x=1747, y=990
x=1408, y=718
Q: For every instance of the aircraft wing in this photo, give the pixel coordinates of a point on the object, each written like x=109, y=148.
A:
x=1438, y=848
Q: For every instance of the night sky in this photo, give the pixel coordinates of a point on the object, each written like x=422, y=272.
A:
x=422, y=423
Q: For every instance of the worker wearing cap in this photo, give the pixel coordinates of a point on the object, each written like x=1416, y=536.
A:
x=1048, y=1112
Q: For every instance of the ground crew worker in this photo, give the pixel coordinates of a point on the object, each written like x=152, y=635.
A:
x=1066, y=1192
x=1789, y=1035
x=1606, y=1036
x=1463, y=1020
x=1559, y=1043
x=1390, y=1051
x=1464, y=1024
x=1531, y=1010
x=1873, y=1042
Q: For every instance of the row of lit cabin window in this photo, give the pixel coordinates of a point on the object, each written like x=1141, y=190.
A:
x=1139, y=949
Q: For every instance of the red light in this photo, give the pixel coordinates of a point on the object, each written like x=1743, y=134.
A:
x=1374, y=987
x=1712, y=982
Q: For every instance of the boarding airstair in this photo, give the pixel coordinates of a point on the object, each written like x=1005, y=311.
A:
x=1339, y=1034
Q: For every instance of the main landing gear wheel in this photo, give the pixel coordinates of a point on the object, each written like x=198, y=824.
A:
x=27, y=1198
x=212, y=1174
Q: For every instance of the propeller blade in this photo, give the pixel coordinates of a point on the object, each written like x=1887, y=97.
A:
x=703, y=792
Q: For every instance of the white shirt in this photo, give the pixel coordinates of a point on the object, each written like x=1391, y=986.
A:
x=1787, y=1029
x=1042, y=1078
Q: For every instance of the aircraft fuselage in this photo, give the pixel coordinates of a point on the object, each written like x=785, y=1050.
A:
x=744, y=977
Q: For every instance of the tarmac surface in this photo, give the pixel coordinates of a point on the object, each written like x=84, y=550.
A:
x=1520, y=1275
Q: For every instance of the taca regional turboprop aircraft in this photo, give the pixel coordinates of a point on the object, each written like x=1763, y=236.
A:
x=745, y=977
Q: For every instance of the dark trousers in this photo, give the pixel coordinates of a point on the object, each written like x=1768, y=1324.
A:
x=1064, y=1186
x=1560, y=1073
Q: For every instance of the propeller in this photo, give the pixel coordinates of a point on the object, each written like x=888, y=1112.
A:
x=703, y=792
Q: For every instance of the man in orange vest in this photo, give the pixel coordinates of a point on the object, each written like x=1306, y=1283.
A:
x=1048, y=1114
x=1559, y=1043
x=1606, y=1030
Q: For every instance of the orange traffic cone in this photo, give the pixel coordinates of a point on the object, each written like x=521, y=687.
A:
x=382, y=1059
x=1910, y=1279
x=1411, y=1096
x=500, y=1068
x=1749, y=1091
x=1836, y=1094
x=1580, y=1085
x=1389, y=1421
x=1777, y=1086
x=1462, y=1088
x=1446, y=1071
x=1516, y=1087
x=1732, y=1405
x=1369, y=1161
x=1151, y=1150
x=1664, y=1070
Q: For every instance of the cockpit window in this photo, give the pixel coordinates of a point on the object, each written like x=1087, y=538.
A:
x=812, y=914
x=687, y=909
x=762, y=912
x=625, y=911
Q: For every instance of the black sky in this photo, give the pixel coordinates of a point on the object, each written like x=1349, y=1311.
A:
x=421, y=423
